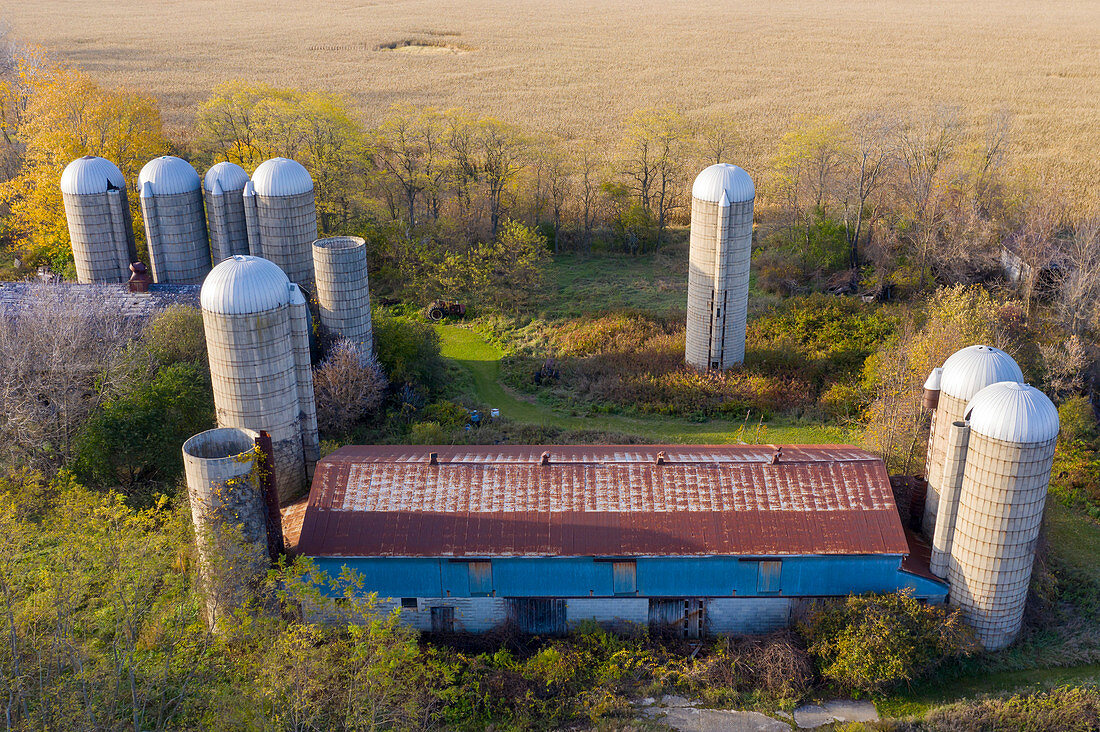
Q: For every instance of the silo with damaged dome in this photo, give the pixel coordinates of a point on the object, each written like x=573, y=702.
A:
x=175, y=222
x=97, y=211
x=722, y=199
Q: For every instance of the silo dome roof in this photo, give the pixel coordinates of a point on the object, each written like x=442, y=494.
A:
x=734, y=182
x=90, y=174
x=167, y=176
x=973, y=368
x=231, y=176
x=281, y=177
x=244, y=284
x=1013, y=412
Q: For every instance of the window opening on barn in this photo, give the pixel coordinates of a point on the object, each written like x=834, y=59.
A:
x=625, y=577
x=769, y=577
x=481, y=578
x=408, y=603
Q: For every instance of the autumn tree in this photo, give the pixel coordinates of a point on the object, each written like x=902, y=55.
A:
x=409, y=149
x=654, y=152
x=807, y=170
x=718, y=138
x=871, y=157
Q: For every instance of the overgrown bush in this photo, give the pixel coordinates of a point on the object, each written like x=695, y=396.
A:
x=347, y=389
x=408, y=351
x=869, y=643
x=1065, y=709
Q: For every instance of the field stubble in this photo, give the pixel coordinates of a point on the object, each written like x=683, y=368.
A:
x=580, y=68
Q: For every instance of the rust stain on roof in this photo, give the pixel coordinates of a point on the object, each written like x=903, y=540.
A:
x=600, y=500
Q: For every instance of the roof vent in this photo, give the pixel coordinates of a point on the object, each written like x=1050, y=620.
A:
x=776, y=456
x=546, y=458
x=433, y=458
x=661, y=457
x=140, y=279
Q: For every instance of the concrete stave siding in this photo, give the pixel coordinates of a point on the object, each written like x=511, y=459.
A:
x=175, y=227
x=993, y=548
x=307, y=405
x=225, y=224
x=287, y=228
x=950, y=409
x=343, y=292
x=102, y=236
x=253, y=372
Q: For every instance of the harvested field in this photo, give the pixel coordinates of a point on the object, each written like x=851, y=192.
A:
x=579, y=68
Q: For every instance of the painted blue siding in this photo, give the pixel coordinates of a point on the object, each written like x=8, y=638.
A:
x=810, y=576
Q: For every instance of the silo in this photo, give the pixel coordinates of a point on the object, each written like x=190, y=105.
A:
x=964, y=374
x=300, y=328
x=1013, y=430
x=282, y=218
x=343, y=295
x=175, y=223
x=229, y=513
x=718, y=267
x=98, y=214
x=246, y=309
x=222, y=187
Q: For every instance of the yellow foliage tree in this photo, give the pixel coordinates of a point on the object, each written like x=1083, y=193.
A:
x=68, y=115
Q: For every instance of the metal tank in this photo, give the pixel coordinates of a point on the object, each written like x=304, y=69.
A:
x=718, y=267
x=229, y=514
x=175, y=223
x=246, y=312
x=98, y=213
x=342, y=294
x=281, y=217
x=222, y=187
x=1013, y=430
x=963, y=375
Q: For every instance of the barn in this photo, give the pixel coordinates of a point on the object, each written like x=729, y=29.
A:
x=693, y=539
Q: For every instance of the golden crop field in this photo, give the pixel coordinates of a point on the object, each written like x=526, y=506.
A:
x=579, y=67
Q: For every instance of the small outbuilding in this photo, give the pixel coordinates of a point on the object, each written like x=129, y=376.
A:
x=699, y=539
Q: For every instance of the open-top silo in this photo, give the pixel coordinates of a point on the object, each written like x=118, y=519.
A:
x=718, y=267
x=343, y=295
x=1013, y=429
x=281, y=216
x=175, y=222
x=254, y=347
x=98, y=214
x=223, y=188
x=964, y=374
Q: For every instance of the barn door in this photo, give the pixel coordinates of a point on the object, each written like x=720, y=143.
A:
x=682, y=617
x=537, y=615
x=443, y=620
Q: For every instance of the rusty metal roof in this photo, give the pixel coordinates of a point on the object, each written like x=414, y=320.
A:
x=641, y=500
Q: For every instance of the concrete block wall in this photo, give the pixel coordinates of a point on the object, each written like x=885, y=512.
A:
x=607, y=610
x=102, y=236
x=287, y=228
x=748, y=615
x=343, y=293
x=226, y=225
x=175, y=227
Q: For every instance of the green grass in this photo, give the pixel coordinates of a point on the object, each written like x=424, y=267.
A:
x=580, y=285
x=469, y=349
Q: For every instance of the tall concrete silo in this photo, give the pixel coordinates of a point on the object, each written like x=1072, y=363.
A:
x=964, y=374
x=229, y=513
x=222, y=187
x=250, y=338
x=300, y=328
x=718, y=267
x=343, y=294
x=1013, y=430
x=281, y=217
x=175, y=223
x=98, y=213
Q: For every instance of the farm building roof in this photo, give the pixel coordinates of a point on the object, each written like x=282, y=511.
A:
x=18, y=295
x=630, y=500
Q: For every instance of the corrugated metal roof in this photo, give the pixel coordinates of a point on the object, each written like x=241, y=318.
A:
x=1013, y=412
x=971, y=369
x=600, y=500
x=20, y=295
x=244, y=284
x=230, y=176
x=723, y=181
x=167, y=176
x=90, y=174
x=281, y=177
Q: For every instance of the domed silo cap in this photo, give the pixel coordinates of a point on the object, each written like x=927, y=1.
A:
x=1013, y=412
x=723, y=178
x=230, y=176
x=281, y=177
x=244, y=284
x=973, y=368
x=91, y=174
x=167, y=176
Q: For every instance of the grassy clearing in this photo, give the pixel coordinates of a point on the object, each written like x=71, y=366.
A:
x=482, y=359
x=581, y=285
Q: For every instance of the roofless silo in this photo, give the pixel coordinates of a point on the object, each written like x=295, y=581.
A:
x=222, y=187
x=343, y=295
x=964, y=374
x=175, y=223
x=252, y=342
x=718, y=268
x=281, y=216
x=98, y=213
x=1013, y=430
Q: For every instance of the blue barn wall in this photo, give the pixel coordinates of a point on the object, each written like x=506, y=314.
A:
x=715, y=576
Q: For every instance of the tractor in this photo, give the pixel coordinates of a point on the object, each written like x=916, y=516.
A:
x=440, y=309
